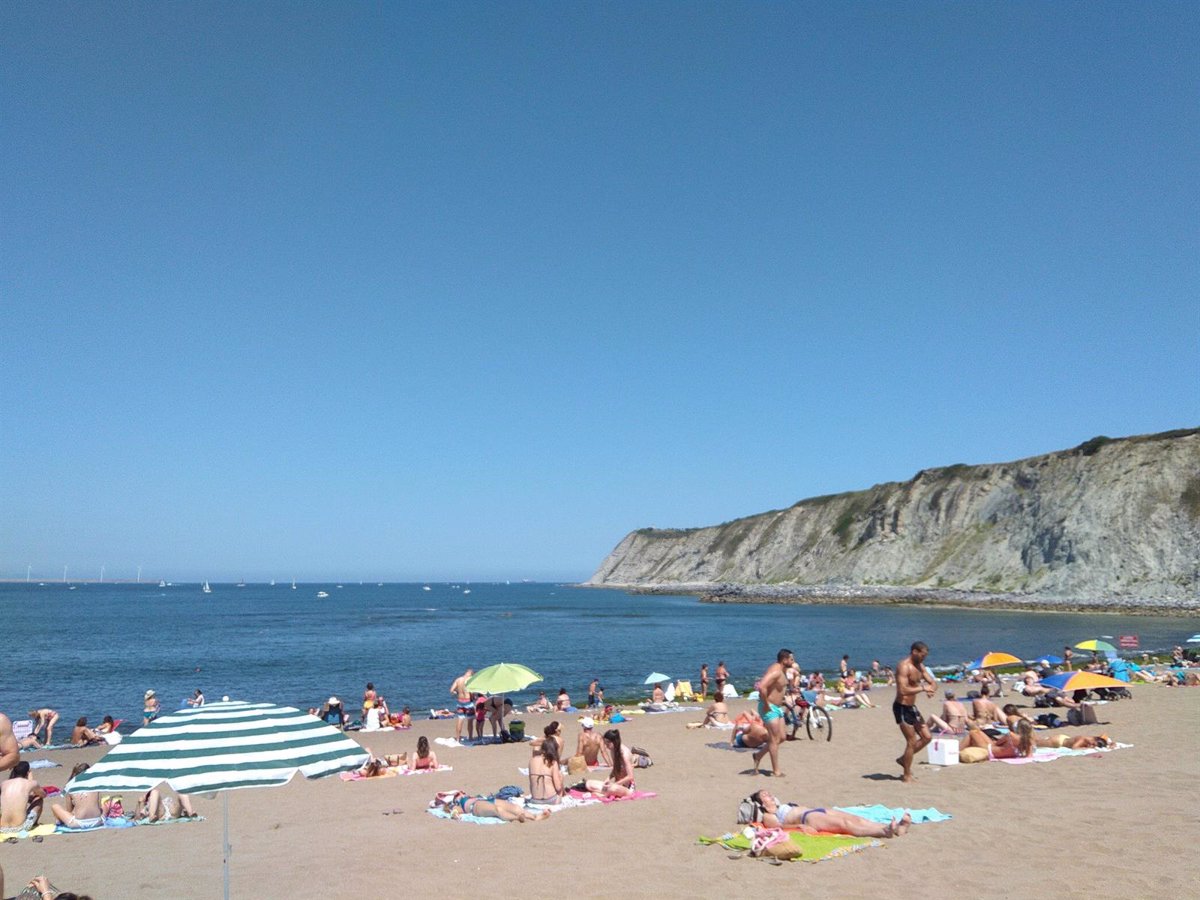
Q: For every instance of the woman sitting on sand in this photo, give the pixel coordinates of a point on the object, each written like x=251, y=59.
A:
x=545, y=776
x=1014, y=716
x=818, y=820
x=852, y=696
x=620, y=781
x=552, y=732
x=81, y=735
x=108, y=726
x=425, y=758
x=717, y=715
x=460, y=803
x=563, y=703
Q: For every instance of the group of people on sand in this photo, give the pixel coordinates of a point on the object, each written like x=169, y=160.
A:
x=547, y=786
x=423, y=759
x=474, y=709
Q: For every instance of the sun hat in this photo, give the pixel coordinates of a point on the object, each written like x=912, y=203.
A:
x=334, y=700
x=587, y=722
x=150, y=693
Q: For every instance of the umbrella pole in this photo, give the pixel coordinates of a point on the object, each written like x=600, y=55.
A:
x=225, y=840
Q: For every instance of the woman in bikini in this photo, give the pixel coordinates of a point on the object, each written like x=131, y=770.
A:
x=80, y=810
x=460, y=803
x=425, y=758
x=545, y=776
x=816, y=820
x=620, y=780
x=552, y=732
x=1019, y=743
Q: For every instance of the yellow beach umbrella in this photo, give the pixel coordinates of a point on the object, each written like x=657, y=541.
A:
x=1095, y=645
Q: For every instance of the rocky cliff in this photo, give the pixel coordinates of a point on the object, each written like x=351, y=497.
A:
x=1109, y=518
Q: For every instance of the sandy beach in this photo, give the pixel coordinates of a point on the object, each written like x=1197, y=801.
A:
x=1121, y=822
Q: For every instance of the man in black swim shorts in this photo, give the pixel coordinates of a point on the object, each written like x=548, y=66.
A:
x=911, y=678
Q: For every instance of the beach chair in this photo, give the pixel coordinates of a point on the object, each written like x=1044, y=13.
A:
x=683, y=691
x=22, y=729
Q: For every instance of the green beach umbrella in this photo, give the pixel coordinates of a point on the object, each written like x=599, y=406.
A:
x=1095, y=644
x=502, y=678
x=222, y=747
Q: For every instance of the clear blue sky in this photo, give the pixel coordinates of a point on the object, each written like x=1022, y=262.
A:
x=469, y=291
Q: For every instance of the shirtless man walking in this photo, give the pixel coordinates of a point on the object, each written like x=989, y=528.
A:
x=911, y=679
x=722, y=675
x=770, y=707
x=466, y=709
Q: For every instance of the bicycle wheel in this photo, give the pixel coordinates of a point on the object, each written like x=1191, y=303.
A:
x=817, y=722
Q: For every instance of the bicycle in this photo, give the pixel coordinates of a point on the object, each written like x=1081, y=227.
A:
x=816, y=720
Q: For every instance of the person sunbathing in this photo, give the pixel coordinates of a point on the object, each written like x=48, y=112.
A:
x=984, y=710
x=82, y=736
x=108, y=726
x=852, y=696
x=1013, y=717
x=748, y=731
x=156, y=806
x=80, y=810
x=1019, y=743
x=953, y=719
x=819, y=820
x=21, y=799
x=717, y=714
x=620, y=780
x=563, y=703
x=1077, y=742
x=425, y=758
x=590, y=745
x=541, y=705
x=545, y=776
x=460, y=803
x=551, y=732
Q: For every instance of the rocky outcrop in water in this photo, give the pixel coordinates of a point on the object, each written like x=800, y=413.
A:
x=1111, y=518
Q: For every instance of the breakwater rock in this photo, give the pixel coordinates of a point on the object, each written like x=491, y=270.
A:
x=1110, y=524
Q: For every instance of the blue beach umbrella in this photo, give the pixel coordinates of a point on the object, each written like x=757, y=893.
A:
x=656, y=677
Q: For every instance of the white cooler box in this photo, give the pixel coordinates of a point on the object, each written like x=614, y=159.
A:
x=943, y=752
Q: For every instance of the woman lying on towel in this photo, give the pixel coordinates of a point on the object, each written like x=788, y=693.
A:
x=460, y=803
x=1077, y=742
x=817, y=820
x=1007, y=746
x=620, y=781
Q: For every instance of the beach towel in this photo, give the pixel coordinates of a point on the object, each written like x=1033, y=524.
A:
x=448, y=742
x=359, y=776
x=721, y=726
x=111, y=822
x=815, y=847
x=1050, y=754
x=883, y=814
x=44, y=764
x=49, y=747
x=588, y=795
x=471, y=820
x=141, y=823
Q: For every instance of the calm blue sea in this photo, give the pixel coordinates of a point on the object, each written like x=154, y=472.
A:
x=96, y=649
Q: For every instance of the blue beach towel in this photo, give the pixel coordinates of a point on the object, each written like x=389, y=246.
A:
x=883, y=814
x=474, y=820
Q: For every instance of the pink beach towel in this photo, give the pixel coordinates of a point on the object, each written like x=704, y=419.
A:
x=588, y=795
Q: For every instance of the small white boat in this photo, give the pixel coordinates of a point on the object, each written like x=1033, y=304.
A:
x=241, y=584
x=467, y=591
x=293, y=584
x=272, y=582
x=322, y=594
x=427, y=588
x=206, y=589
x=162, y=583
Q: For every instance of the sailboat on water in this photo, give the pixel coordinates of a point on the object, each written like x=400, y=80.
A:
x=293, y=584
x=206, y=589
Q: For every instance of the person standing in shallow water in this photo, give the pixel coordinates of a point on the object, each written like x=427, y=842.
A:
x=911, y=678
x=703, y=681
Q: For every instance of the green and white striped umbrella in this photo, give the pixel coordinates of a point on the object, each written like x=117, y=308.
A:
x=221, y=747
